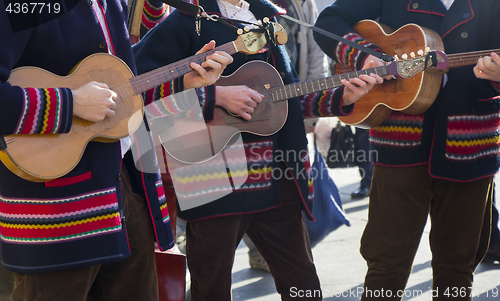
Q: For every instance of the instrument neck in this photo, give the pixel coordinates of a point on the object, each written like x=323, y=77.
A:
x=316, y=85
x=154, y=78
x=467, y=58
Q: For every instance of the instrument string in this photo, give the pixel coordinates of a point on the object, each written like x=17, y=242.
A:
x=468, y=58
x=163, y=74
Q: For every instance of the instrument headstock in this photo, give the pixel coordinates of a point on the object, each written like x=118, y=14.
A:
x=409, y=67
x=252, y=41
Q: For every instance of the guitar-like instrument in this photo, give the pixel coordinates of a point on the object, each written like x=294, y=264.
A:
x=270, y=115
x=409, y=95
x=41, y=158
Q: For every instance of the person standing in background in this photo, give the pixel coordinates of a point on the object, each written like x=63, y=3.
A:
x=494, y=247
x=365, y=166
x=309, y=61
x=149, y=14
x=274, y=170
x=90, y=233
x=152, y=13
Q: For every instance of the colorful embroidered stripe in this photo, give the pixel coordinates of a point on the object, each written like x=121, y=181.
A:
x=169, y=105
x=259, y=158
x=163, y=201
x=318, y=104
x=307, y=165
x=399, y=130
x=164, y=90
x=310, y=189
x=57, y=220
x=350, y=56
x=212, y=179
x=44, y=111
x=152, y=14
x=208, y=180
x=471, y=137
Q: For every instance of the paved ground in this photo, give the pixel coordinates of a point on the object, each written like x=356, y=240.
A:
x=340, y=267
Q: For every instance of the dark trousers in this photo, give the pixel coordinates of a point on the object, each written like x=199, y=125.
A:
x=495, y=232
x=6, y=283
x=400, y=201
x=365, y=166
x=131, y=279
x=279, y=234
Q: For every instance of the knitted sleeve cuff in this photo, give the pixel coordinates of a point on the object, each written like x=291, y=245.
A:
x=206, y=95
x=46, y=111
x=337, y=100
x=153, y=13
x=350, y=56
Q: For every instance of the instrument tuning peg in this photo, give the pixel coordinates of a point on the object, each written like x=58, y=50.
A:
x=396, y=58
x=246, y=29
x=404, y=56
x=427, y=49
x=420, y=52
x=412, y=54
x=239, y=31
x=266, y=20
x=259, y=22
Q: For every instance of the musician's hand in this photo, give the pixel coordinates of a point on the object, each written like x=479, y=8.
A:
x=94, y=101
x=488, y=67
x=373, y=61
x=239, y=100
x=355, y=88
x=210, y=70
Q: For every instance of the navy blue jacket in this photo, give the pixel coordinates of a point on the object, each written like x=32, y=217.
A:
x=283, y=154
x=459, y=134
x=76, y=220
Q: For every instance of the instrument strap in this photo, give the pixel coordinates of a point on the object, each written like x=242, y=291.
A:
x=198, y=12
x=3, y=144
x=377, y=54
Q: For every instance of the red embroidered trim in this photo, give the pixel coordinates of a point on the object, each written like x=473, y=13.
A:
x=69, y=181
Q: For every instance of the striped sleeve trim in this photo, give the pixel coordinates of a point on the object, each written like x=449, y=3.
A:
x=161, y=91
x=350, y=56
x=46, y=111
x=153, y=13
x=325, y=104
x=169, y=105
x=163, y=201
x=159, y=103
x=206, y=95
